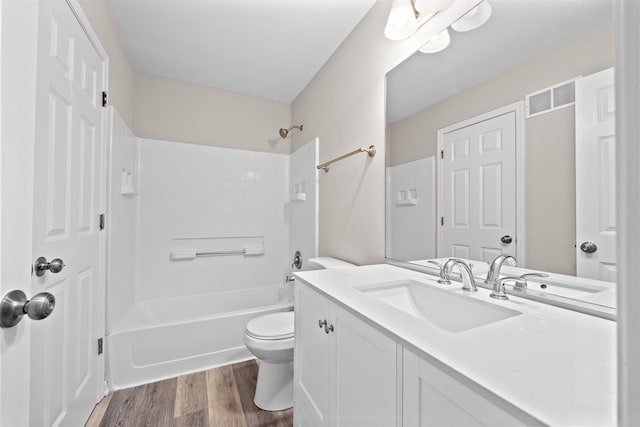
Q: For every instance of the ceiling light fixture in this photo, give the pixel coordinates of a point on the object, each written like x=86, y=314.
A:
x=408, y=16
x=475, y=18
x=402, y=22
x=437, y=44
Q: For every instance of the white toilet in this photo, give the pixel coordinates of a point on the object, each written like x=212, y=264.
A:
x=270, y=338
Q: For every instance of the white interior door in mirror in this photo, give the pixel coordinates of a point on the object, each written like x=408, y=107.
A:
x=478, y=183
x=66, y=370
x=596, y=177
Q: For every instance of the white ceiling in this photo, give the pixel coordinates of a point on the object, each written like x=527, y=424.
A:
x=517, y=31
x=265, y=48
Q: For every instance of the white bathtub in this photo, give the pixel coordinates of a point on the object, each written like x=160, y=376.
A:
x=164, y=338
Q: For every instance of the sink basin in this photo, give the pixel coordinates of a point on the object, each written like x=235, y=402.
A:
x=443, y=308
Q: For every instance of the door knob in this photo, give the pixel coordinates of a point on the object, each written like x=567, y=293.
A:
x=15, y=304
x=588, y=247
x=506, y=239
x=41, y=266
x=297, y=260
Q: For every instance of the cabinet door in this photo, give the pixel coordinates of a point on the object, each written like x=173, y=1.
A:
x=362, y=376
x=432, y=397
x=311, y=359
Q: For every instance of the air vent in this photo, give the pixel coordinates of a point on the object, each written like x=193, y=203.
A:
x=551, y=98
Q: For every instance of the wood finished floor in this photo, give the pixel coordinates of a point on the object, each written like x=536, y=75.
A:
x=217, y=397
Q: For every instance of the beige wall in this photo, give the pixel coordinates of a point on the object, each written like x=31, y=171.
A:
x=160, y=108
x=178, y=111
x=121, y=70
x=344, y=105
x=550, y=140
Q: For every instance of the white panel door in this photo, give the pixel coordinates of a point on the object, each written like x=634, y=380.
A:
x=479, y=190
x=66, y=371
x=596, y=176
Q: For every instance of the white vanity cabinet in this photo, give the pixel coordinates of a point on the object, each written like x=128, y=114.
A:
x=431, y=397
x=344, y=370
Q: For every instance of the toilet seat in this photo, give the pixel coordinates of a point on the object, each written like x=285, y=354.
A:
x=274, y=326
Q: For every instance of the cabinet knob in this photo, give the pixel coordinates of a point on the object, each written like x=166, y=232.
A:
x=322, y=323
x=328, y=328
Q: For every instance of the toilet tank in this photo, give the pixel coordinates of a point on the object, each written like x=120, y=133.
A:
x=321, y=263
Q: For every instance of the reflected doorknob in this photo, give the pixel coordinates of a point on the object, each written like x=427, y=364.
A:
x=15, y=304
x=41, y=266
x=588, y=247
x=506, y=239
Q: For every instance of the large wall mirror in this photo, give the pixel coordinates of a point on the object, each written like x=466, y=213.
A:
x=504, y=142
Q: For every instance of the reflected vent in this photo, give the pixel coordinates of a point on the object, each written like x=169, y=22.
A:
x=551, y=99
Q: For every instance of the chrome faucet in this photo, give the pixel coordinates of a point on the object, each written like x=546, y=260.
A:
x=444, y=277
x=493, y=275
x=465, y=271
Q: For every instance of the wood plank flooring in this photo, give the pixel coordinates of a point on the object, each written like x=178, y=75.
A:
x=217, y=397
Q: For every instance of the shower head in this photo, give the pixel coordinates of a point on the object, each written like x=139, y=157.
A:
x=284, y=132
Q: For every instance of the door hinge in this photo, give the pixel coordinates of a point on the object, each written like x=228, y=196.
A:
x=104, y=99
x=101, y=221
x=441, y=220
x=100, y=346
x=442, y=154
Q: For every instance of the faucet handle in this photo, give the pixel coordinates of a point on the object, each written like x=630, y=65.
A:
x=498, y=289
x=440, y=266
x=444, y=275
x=527, y=275
x=521, y=285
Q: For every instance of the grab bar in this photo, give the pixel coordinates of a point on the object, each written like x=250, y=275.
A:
x=182, y=254
x=217, y=253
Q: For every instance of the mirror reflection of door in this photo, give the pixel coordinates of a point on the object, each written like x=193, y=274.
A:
x=478, y=188
x=596, y=177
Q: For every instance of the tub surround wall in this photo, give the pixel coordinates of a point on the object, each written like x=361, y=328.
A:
x=303, y=204
x=411, y=231
x=121, y=220
x=193, y=191
x=197, y=198
x=173, y=110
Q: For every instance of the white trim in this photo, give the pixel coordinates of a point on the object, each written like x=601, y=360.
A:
x=627, y=17
x=518, y=109
x=83, y=20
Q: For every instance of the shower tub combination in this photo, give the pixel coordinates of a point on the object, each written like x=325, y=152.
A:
x=164, y=338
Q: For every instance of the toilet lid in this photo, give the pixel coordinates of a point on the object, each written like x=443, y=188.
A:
x=275, y=326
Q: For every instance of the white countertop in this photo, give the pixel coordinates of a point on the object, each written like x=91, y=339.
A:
x=557, y=365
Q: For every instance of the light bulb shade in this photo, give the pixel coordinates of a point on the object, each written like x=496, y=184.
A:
x=402, y=21
x=437, y=44
x=475, y=18
x=429, y=7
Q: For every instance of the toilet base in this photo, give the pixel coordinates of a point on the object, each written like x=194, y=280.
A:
x=274, y=388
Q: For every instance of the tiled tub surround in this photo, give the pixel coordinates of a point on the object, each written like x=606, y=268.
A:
x=555, y=365
x=197, y=192
x=173, y=316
